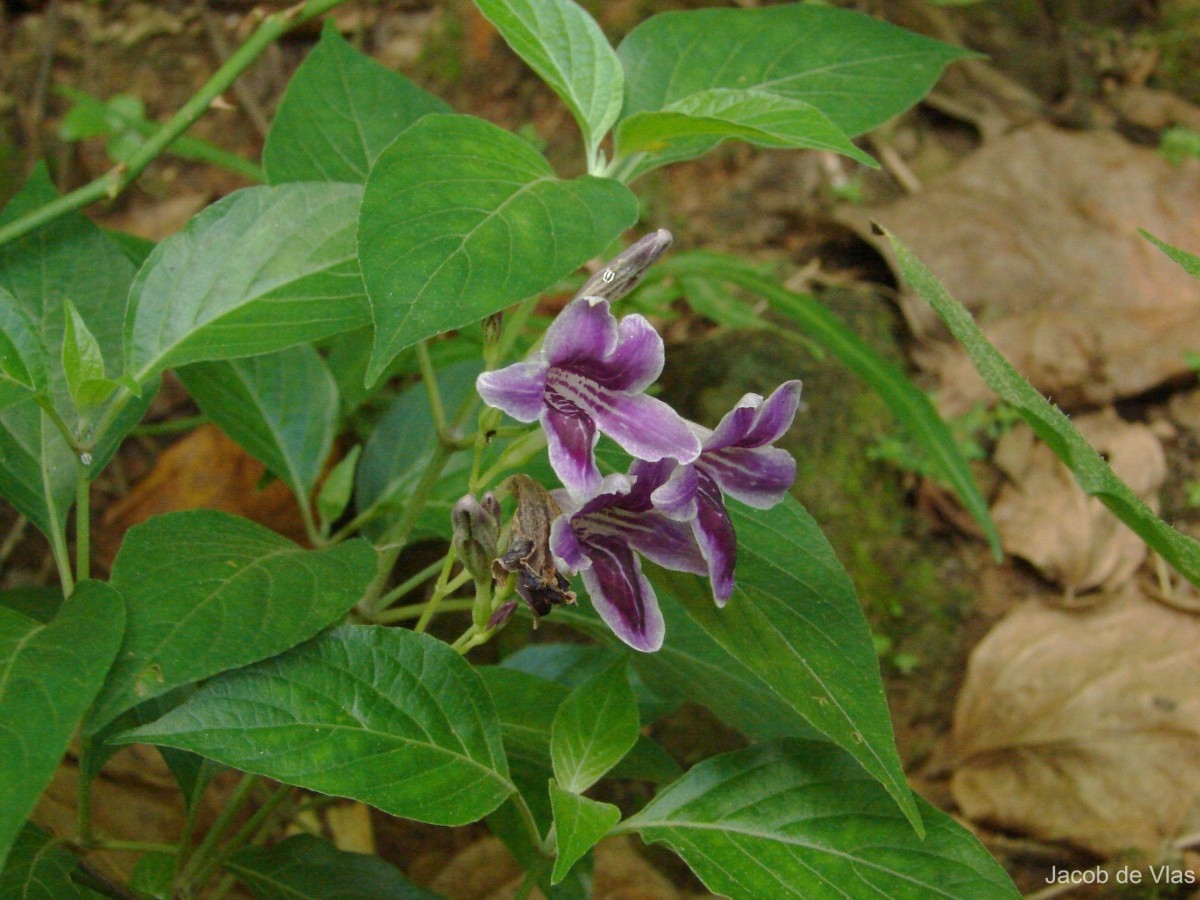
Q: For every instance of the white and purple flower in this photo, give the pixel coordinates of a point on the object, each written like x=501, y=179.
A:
x=589, y=378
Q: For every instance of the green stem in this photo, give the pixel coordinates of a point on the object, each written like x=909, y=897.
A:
x=62, y=558
x=173, y=426
x=84, y=812
x=220, y=827
x=439, y=593
x=417, y=610
x=83, y=522
x=113, y=182
x=131, y=846
x=243, y=835
x=429, y=377
x=410, y=584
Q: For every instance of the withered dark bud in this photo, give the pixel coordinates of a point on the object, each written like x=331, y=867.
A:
x=476, y=532
x=502, y=614
x=492, y=327
x=625, y=270
x=538, y=581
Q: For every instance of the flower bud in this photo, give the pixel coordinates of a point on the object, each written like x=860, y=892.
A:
x=502, y=614
x=476, y=531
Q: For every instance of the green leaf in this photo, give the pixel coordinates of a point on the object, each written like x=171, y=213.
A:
x=908, y=403
x=38, y=603
x=82, y=362
x=263, y=269
x=695, y=124
x=304, y=867
x=39, y=868
x=340, y=110
x=387, y=716
x=49, y=675
x=282, y=408
x=801, y=819
x=1189, y=261
x=461, y=219
x=1049, y=423
x=337, y=488
x=565, y=46
x=22, y=357
x=572, y=664
x=795, y=622
x=857, y=70
x=154, y=875
x=578, y=824
x=595, y=726
x=207, y=591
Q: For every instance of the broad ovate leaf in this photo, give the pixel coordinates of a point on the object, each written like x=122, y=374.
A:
x=595, y=726
x=263, y=269
x=565, y=46
x=387, y=716
x=282, y=408
x=579, y=823
x=340, y=110
x=304, y=867
x=207, y=591
x=49, y=674
x=461, y=218
x=801, y=819
x=859, y=71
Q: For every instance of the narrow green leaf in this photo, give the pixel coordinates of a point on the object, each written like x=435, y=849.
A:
x=263, y=269
x=340, y=110
x=49, y=675
x=207, y=591
x=304, y=867
x=908, y=403
x=857, y=70
x=595, y=726
x=693, y=125
x=337, y=488
x=82, y=362
x=578, y=824
x=801, y=819
x=387, y=716
x=39, y=868
x=461, y=219
x=282, y=408
x=1189, y=261
x=565, y=46
x=1049, y=422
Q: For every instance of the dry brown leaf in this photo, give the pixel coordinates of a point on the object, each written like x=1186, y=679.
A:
x=205, y=470
x=1044, y=250
x=1083, y=727
x=1045, y=518
x=350, y=827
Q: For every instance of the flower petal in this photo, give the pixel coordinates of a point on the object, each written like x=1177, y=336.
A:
x=519, y=389
x=584, y=332
x=677, y=496
x=634, y=363
x=645, y=427
x=666, y=542
x=735, y=424
x=565, y=545
x=571, y=438
x=715, y=535
x=622, y=595
x=759, y=477
x=774, y=416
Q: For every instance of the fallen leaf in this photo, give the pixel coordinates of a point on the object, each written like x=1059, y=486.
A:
x=1045, y=518
x=1083, y=726
x=1044, y=250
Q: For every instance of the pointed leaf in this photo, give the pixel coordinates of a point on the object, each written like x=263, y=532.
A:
x=1189, y=261
x=578, y=824
x=260, y=270
x=82, y=363
x=595, y=726
x=304, y=867
x=340, y=110
x=48, y=677
x=282, y=408
x=1049, y=422
x=23, y=359
x=801, y=819
x=387, y=716
x=565, y=46
x=695, y=124
x=207, y=591
x=461, y=219
x=857, y=70
x=337, y=488
x=39, y=868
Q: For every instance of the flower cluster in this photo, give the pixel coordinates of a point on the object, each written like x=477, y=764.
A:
x=589, y=378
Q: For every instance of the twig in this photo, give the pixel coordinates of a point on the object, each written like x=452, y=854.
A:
x=250, y=105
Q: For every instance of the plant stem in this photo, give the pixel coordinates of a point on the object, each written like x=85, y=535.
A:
x=220, y=827
x=113, y=182
x=172, y=426
x=416, y=610
x=243, y=835
x=83, y=522
x=429, y=377
x=410, y=584
x=62, y=558
x=84, y=811
x=132, y=846
x=439, y=592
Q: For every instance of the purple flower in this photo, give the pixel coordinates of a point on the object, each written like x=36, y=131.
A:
x=735, y=459
x=589, y=378
x=602, y=537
